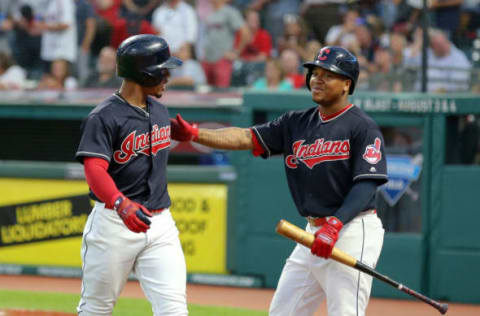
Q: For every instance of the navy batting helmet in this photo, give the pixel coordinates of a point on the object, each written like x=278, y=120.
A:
x=336, y=59
x=145, y=59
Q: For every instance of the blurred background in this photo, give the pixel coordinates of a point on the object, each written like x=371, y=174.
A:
x=419, y=80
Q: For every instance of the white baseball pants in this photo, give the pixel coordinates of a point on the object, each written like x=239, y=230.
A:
x=110, y=252
x=307, y=280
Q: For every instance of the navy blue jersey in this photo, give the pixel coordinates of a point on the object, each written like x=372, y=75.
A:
x=120, y=133
x=324, y=158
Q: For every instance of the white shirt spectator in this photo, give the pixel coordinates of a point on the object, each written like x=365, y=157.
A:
x=450, y=73
x=177, y=24
x=60, y=44
x=191, y=69
x=13, y=78
x=336, y=33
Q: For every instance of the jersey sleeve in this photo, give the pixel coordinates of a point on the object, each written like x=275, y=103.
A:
x=96, y=139
x=369, y=160
x=270, y=136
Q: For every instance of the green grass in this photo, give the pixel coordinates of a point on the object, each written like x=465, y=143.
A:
x=125, y=306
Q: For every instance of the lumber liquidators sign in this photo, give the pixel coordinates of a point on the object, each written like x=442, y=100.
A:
x=200, y=212
x=41, y=222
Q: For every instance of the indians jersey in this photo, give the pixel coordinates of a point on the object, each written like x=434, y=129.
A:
x=324, y=157
x=135, y=143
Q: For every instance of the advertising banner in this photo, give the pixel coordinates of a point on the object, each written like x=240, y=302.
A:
x=41, y=222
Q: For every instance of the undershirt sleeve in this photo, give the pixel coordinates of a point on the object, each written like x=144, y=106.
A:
x=99, y=181
x=357, y=200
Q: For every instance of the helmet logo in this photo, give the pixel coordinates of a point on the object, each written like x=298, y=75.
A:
x=323, y=54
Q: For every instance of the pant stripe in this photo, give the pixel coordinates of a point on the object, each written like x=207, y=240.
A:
x=84, y=259
x=361, y=259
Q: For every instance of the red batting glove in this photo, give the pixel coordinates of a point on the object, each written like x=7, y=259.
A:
x=133, y=215
x=183, y=131
x=326, y=237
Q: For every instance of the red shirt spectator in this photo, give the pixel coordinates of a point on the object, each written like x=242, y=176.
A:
x=291, y=64
x=109, y=10
x=260, y=44
x=123, y=28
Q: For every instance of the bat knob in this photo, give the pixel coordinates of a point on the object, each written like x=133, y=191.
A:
x=443, y=308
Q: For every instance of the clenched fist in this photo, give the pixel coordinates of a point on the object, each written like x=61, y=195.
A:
x=326, y=237
x=134, y=215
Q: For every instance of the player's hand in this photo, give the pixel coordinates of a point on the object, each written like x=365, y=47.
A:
x=183, y=131
x=134, y=215
x=326, y=237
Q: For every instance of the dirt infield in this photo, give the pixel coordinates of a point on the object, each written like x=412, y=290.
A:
x=258, y=299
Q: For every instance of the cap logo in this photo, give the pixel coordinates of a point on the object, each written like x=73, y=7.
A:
x=323, y=55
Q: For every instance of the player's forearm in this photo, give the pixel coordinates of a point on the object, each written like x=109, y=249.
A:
x=357, y=200
x=230, y=138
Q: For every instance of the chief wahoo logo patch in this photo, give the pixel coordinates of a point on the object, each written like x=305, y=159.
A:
x=372, y=153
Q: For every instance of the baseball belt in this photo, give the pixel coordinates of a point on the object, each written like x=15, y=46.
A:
x=319, y=221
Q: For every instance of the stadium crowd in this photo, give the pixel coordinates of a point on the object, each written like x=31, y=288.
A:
x=257, y=44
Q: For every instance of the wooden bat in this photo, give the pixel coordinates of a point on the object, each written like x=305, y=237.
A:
x=299, y=235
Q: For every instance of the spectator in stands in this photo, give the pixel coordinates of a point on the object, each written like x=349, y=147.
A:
x=407, y=17
x=26, y=42
x=129, y=25
x=190, y=73
x=59, y=44
x=105, y=72
x=290, y=62
x=107, y=9
x=176, y=22
x=364, y=44
x=59, y=37
x=311, y=50
x=12, y=77
x=203, y=8
x=398, y=50
x=259, y=47
x=273, y=13
x=251, y=63
x=446, y=16
x=121, y=27
x=222, y=25
x=58, y=78
x=86, y=25
x=469, y=24
x=343, y=34
x=6, y=26
x=448, y=67
x=106, y=14
x=141, y=8
x=294, y=36
x=385, y=77
x=321, y=15
x=274, y=79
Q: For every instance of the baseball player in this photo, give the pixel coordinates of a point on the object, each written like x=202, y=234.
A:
x=334, y=161
x=124, y=149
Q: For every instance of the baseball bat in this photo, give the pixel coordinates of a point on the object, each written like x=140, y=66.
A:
x=299, y=235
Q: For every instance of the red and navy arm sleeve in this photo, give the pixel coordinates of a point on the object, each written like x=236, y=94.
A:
x=99, y=181
x=270, y=136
